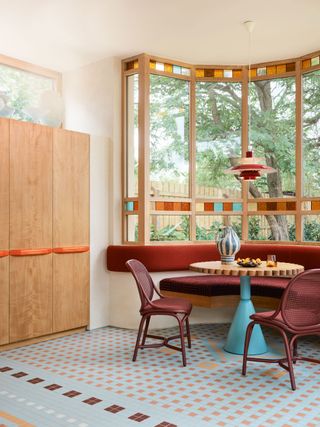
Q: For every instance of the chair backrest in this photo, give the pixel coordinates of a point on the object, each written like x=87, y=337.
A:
x=300, y=302
x=143, y=280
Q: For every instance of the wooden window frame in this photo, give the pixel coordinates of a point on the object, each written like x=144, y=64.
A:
x=143, y=196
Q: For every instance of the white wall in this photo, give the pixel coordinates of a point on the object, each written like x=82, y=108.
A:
x=92, y=105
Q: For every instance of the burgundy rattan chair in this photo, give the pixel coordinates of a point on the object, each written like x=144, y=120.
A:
x=165, y=306
x=298, y=315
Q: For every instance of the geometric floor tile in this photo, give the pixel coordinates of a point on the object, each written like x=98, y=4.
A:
x=89, y=380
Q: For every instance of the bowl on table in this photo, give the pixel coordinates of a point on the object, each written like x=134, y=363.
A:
x=249, y=262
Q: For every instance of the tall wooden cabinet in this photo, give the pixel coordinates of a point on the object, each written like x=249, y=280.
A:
x=44, y=234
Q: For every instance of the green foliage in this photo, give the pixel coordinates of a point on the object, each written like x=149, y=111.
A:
x=311, y=230
x=180, y=231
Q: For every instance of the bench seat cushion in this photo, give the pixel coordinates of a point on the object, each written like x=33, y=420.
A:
x=213, y=285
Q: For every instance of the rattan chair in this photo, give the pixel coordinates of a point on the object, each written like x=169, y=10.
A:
x=164, y=306
x=298, y=315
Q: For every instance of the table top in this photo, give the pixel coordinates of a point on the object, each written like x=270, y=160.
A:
x=282, y=269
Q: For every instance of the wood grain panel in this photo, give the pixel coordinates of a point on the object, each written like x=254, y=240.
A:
x=30, y=185
x=4, y=184
x=4, y=300
x=70, y=188
x=70, y=291
x=30, y=296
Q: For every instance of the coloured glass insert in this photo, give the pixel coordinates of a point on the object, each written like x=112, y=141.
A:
x=169, y=136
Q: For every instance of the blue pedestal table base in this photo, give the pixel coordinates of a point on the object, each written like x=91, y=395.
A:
x=241, y=319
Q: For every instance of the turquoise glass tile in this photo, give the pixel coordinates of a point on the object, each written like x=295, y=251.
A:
x=176, y=69
x=129, y=206
x=218, y=207
x=237, y=207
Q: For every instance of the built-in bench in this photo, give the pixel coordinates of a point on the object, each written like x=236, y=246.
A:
x=213, y=290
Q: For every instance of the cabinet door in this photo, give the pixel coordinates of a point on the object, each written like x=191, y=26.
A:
x=70, y=188
x=4, y=231
x=30, y=296
x=70, y=291
x=30, y=186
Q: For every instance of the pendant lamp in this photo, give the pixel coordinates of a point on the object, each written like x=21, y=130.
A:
x=249, y=168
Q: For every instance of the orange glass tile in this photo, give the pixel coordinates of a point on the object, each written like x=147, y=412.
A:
x=290, y=67
x=253, y=72
x=168, y=206
x=306, y=63
x=168, y=68
x=208, y=206
x=271, y=206
x=159, y=206
x=177, y=206
x=152, y=64
x=281, y=69
x=261, y=206
x=315, y=205
x=218, y=73
x=136, y=64
x=271, y=70
x=227, y=206
x=130, y=65
x=237, y=74
x=281, y=206
x=135, y=205
x=185, y=206
x=291, y=206
x=208, y=73
x=199, y=73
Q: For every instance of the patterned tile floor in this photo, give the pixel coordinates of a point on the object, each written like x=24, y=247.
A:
x=88, y=380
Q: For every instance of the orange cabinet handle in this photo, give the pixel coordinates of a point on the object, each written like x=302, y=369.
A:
x=26, y=252
x=4, y=253
x=71, y=249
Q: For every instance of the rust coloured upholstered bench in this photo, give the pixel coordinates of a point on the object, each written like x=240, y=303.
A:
x=212, y=290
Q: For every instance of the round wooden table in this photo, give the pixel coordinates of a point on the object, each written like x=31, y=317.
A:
x=241, y=319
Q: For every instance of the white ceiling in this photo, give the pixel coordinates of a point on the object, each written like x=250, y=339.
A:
x=66, y=34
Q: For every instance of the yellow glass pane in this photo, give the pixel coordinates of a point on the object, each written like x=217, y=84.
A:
x=168, y=68
x=199, y=73
x=252, y=207
x=306, y=63
x=281, y=69
x=218, y=73
x=271, y=70
x=237, y=74
x=253, y=72
x=153, y=65
x=136, y=64
x=199, y=207
x=306, y=206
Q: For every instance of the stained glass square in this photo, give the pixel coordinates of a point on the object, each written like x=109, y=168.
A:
x=199, y=73
x=185, y=71
x=271, y=70
x=152, y=64
x=315, y=205
x=129, y=206
x=237, y=207
x=315, y=61
x=252, y=207
x=159, y=66
x=261, y=71
x=168, y=68
x=281, y=69
x=227, y=74
x=253, y=72
x=237, y=74
x=306, y=206
x=291, y=66
x=199, y=207
x=177, y=69
x=208, y=73
x=218, y=207
x=227, y=206
x=209, y=206
x=218, y=73
x=281, y=206
x=306, y=63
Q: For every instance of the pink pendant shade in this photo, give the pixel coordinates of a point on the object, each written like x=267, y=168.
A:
x=249, y=168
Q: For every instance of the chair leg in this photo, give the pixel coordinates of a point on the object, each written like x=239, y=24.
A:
x=183, y=348
x=246, y=347
x=145, y=331
x=138, y=339
x=188, y=332
x=289, y=359
x=295, y=354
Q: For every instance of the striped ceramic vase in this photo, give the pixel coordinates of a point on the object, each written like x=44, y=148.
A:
x=228, y=245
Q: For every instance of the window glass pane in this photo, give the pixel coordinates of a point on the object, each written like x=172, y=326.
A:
x=169, y=136
x=272, y=227
x=169, y=227
x=218, y=138
x=272, y=134
x=311, y=228
x=311, y=133
x=132, y=228
x=20, y=93
x=208, y=226
x=132, y=146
